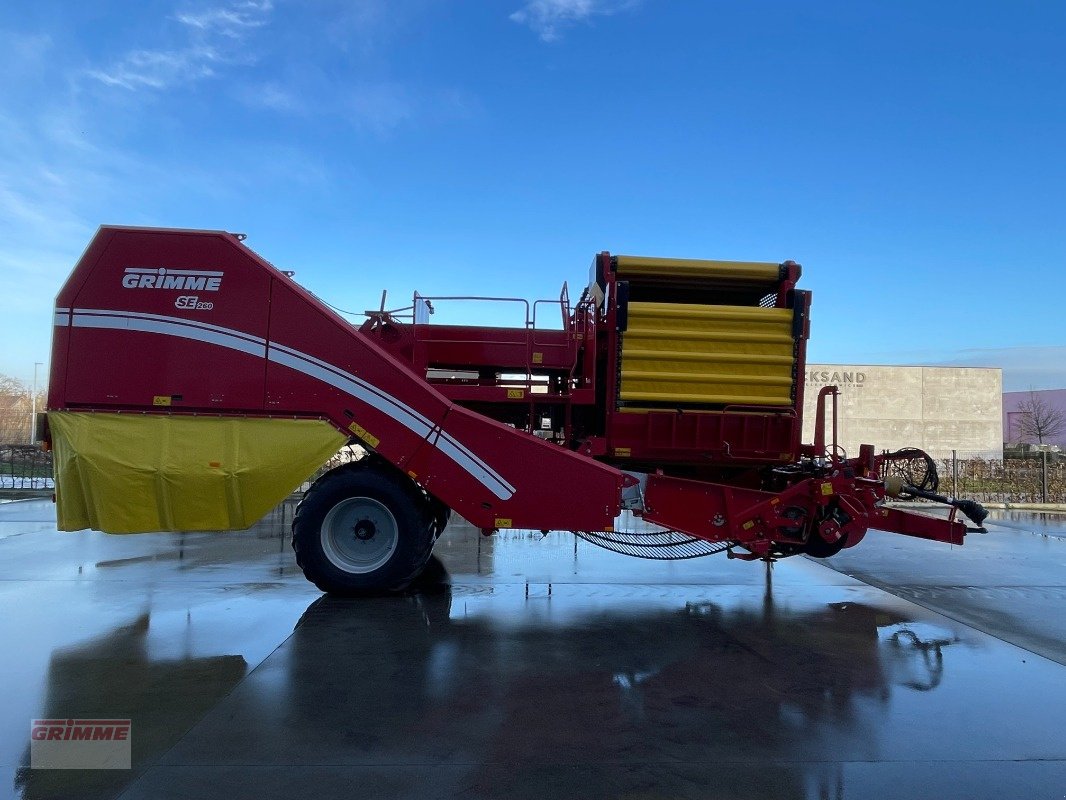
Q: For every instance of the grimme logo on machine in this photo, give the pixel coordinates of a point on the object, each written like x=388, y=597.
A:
x=180, y=279
x=163, y=278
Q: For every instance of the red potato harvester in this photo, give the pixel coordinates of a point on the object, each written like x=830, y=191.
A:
x=194, y=386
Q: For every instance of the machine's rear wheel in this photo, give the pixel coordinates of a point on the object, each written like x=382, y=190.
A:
x=441, y=514
x=363, y=528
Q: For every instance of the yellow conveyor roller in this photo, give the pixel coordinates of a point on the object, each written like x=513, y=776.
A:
x=640, y=266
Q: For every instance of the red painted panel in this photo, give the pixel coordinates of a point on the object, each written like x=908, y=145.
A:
x=707, y=438
x=553, y=488
x=163, y=279
x=461, y=346
x=131, y=368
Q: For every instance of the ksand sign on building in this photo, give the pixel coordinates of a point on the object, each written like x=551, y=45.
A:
x=835, y=377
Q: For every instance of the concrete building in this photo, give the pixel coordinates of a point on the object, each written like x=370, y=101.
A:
x=938, y=409
x=1013, y=414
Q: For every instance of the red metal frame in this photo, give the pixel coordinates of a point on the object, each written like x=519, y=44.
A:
x=267, y=347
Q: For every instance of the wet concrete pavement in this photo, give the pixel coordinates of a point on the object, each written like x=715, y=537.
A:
x=529, y=666
x=1010, y=582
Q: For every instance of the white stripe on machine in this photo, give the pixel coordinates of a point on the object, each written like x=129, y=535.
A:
x=301, y=362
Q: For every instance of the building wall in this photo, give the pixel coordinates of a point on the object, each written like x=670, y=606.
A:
x=1012, y=402
x=938, y=409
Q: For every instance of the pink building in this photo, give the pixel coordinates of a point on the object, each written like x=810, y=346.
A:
x=1012, y=415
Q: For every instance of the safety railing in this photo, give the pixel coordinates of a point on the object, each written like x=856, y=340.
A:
x=530, y=324
x=1039, y=477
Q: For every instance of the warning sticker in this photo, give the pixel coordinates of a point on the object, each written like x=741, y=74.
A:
x=364, y=434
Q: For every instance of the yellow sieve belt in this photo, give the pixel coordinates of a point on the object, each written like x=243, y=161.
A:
x=721, y=355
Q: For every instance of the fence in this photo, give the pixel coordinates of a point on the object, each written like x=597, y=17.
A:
x=1035, y=478
x=28, y=468
x=1038, y=477
x=25, y=468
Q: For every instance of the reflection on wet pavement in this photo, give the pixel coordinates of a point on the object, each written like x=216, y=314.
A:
x=1044, y=524
x=157, y=628
x=1010, y=582
x=522, y=666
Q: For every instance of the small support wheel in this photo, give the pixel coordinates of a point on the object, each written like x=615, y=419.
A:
x=818, y=546
x=363, y=529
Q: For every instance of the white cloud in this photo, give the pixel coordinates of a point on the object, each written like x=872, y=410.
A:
x=232, y=21
x=70, y=156
x=548, y=18
x=213, y=37
x=159, y=69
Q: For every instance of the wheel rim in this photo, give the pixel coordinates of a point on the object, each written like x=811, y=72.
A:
x=359, y=535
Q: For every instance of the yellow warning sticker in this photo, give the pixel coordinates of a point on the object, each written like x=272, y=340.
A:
x=622, y=452
x=515, y=394
x=538, y=358
x=503, y=522
x=161, y=400
x=827, y=489
x=364, y=434
x=748, y=525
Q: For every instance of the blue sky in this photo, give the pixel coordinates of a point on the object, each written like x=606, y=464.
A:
x=909, y=154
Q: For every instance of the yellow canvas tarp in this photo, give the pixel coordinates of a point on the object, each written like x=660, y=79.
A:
x=133, y=473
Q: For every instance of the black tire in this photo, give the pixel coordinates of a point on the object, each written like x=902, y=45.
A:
x=817, y=547
x=441, y=514
x=363, y=529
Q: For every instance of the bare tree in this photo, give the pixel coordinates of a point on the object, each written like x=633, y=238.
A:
x=1039, y=419
x=16, y=410
x=13, y=415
